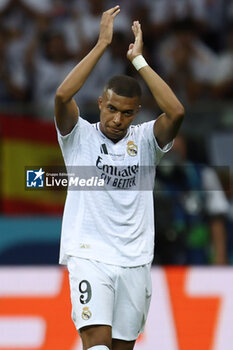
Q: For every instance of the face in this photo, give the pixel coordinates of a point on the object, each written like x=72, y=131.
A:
x=116, y=114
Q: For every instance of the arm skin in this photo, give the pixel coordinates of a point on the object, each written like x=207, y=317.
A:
x=168, y=123
x=66, y=110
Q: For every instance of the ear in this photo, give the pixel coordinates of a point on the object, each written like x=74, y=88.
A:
x=100, y=101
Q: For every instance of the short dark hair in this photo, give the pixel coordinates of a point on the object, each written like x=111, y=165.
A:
x=124, y=85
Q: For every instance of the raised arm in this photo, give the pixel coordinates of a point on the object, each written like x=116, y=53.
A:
x=66, y=110
x=168, y=123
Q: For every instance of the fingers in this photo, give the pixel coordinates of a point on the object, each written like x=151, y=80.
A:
x=136, y=27
x=113, y=11
x=131, y=46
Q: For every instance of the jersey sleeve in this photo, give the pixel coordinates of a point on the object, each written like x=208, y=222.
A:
x=73, y=140
x=148, y=134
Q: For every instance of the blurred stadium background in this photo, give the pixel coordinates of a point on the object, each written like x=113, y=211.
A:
x=190, y=44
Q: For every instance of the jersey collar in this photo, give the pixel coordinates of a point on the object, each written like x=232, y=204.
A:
x=97, y=125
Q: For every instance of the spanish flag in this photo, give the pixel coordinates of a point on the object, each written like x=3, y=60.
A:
x=27, y=143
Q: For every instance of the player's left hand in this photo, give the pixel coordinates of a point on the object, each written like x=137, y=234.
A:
x=135, y=48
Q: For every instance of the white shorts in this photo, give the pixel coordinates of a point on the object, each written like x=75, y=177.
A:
x=103, y=294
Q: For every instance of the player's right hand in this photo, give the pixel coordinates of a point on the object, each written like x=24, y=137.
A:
x=106, y=25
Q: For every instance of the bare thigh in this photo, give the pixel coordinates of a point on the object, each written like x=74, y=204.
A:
x=96, y=335
x=118, y=344
x=102, y=335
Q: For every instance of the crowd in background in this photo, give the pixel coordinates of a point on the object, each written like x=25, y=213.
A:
x=188, y=42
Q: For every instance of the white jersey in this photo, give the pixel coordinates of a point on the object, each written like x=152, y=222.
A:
x=115, y=226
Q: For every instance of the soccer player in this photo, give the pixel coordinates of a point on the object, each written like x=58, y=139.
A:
x=108, y=236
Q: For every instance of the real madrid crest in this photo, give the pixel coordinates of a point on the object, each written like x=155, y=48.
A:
x=86, y=314
x=132, y=149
